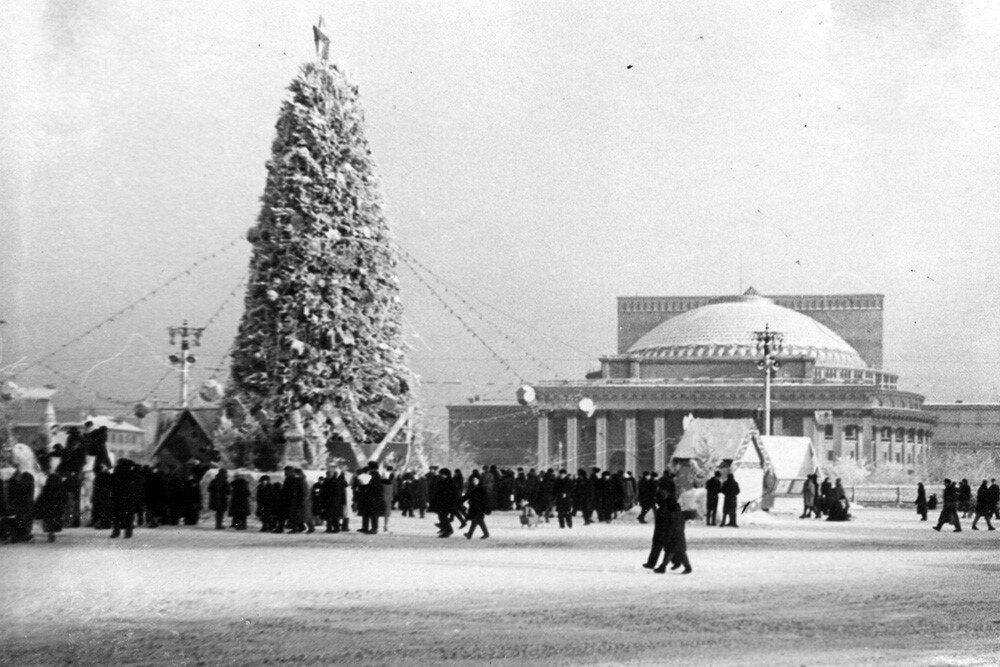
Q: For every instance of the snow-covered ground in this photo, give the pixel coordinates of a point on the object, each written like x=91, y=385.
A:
x=883, y=588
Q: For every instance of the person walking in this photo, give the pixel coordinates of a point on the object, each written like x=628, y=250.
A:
x=949, y=507
x=388, y=495
x=730, y=494
x=995, y=498
x=983, y=507
x=675, y=542
x=713, y=487
x=479, y=507
x=661, y=521
x=921, y=501
x=965, y=505
x=218, y=496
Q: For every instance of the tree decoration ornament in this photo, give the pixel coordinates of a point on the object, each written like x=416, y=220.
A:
x=211, y=391
x=526, y=394
x=321, y=332
x=587, y=407
x=142, y=409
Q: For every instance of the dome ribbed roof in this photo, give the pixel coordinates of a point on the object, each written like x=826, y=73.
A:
x=725, y=328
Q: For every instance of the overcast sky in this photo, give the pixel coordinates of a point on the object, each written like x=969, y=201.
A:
x=543, y=157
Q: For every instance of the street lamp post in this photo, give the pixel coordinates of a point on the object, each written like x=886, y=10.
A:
x=187, y=335
x=769, y=345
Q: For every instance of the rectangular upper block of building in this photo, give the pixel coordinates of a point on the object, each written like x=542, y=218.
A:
x=857, y=318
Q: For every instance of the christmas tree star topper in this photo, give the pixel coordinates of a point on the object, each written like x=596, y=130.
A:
x=321, y=39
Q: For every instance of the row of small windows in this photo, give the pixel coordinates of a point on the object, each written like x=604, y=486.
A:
x=852, y=432
x=831, y=456
x=674, y=306
x=661, y=306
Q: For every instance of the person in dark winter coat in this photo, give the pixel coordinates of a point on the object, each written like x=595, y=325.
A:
x=124, y=498
x=713, y=487
x=278, y=512
x=730, y=493
x=505, y=491
x=604, y=497
x=404, y=497
x=51, y=505
x=74, y=460
x=949, y=507
x=983, y=507
x=661, y=521
x=21, y=503
x=95, y=441
x=218, y=496
x=965, y=505
x=265, y=504
x=995, y=498
x=810, y=498
x=154, y=500
x=421, y=493
x=479, y=507
x=239, y=503
x=675, y=542
x=839, y=507
x=489, y=481
x=191, y=500
x=371, y=502
x=583, y=496
x=334, y=499
x=445, y=500
x=520, y=482
x=921, y=501
x=646, y=493
x=546, y=497
x=563, y=490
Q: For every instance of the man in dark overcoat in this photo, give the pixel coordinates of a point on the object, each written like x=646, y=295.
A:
x=124, y=498
x=730, y=494
x=218, y=496
x=713, y=487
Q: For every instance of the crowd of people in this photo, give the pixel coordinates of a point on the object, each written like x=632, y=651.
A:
x=824, y=498
x=956, y=499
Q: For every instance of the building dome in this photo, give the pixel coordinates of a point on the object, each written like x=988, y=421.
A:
x=725, y=329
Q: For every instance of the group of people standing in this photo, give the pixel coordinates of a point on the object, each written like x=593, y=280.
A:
x=824, y=498
x=956, y=497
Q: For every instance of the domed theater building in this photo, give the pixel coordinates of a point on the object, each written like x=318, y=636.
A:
x=698, y=356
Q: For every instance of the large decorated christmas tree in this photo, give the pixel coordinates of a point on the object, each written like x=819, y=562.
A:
x=319, y=349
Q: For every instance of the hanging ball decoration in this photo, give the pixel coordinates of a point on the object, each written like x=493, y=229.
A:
x=586, y=406
x=296, y=220
x=142, y=409
x=210, y=391
x=9, y=391
x=253, y=233
x=272, y=295
x=526, y=394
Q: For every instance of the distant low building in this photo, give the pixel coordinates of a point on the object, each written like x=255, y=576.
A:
x=971, y=427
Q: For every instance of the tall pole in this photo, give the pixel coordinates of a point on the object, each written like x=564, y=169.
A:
x=769, y=345
x=187, y=336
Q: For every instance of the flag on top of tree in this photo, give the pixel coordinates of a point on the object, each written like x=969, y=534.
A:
x=320, y=340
